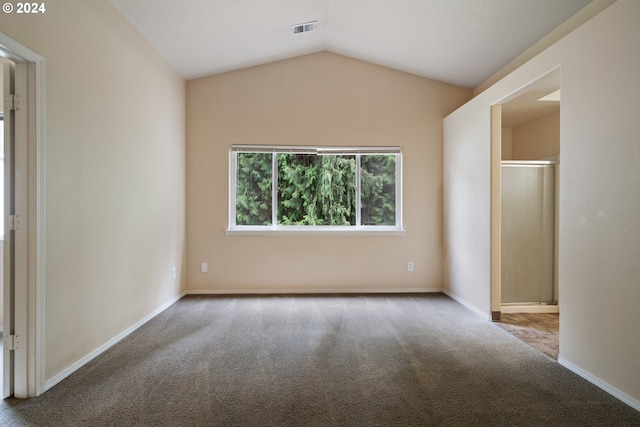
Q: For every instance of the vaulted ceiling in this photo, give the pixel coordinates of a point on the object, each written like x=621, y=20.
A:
x=462, y=42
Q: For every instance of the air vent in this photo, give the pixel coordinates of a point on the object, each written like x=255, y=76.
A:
x=307, y=27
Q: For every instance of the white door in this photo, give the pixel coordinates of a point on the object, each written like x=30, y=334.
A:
x=15, y=227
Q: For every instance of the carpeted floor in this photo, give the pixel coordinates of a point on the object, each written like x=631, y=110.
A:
x=383, y=360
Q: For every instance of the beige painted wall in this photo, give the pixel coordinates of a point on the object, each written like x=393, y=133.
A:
x=322, y=99
x=115, y=175
x=467, y=205
x=507, y=144
x=537, y=139
x=599, y=180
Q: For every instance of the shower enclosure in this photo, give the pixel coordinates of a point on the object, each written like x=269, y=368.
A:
x=528, y=232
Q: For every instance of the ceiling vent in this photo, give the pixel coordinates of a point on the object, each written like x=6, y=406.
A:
x=307, y=27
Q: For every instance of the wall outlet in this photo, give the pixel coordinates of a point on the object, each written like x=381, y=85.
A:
x=174, y=273
x=204, y=267
x=410, y=266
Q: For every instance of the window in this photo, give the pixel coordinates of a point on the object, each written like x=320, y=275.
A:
x=315, y=189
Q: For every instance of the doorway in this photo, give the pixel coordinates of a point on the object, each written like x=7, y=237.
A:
x=526, y=158
x=6, y=315
x=23, y=244
x=8, y=134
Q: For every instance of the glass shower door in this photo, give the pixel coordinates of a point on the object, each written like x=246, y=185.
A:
x=528, y=232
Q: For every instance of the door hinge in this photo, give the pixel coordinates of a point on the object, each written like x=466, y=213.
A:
x=11, y=102
x=12, y=342
x=14, y=222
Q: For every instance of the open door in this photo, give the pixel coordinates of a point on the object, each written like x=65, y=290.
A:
x=23, y=260
x=8, y=279
x=15, y=228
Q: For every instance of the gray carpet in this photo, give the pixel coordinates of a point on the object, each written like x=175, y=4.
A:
x=367, y=360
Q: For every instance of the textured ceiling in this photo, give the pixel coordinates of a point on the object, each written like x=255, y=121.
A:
x=462, y=42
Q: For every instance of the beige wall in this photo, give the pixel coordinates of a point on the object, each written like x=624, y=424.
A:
x=507, y=144
x=467, y=205
x=599, y=221
x=321, y=99
x=115, y=175
x=537, y=139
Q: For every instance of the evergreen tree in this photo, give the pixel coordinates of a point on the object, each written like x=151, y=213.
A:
x=378, y=189
x=316, y=190
x=254, y=189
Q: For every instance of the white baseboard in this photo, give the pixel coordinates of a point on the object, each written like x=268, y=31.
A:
x=619, y=394
x=475, y=309
x=311, y=291
x=104, y=347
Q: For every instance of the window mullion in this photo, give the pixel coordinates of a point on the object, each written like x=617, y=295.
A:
x=358, y=195
x=274, y=189
x=399, y=191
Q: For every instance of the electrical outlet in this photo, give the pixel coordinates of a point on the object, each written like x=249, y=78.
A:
x=174, y=273
x=204, y=267
x=410, y=266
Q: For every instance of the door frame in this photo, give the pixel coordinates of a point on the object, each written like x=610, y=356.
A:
x=495, y=291
x=496, y=213
x=29, y=376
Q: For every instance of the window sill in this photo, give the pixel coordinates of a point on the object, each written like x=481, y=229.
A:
x=315, y=231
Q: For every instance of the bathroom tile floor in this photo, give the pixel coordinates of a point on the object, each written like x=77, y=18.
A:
x=539, y=330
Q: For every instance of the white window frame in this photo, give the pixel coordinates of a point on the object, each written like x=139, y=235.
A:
x=234, y=229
